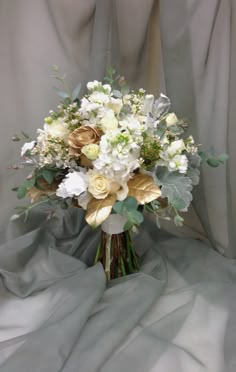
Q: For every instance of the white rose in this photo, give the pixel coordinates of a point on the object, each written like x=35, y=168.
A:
x=27, y=147
x=176, y=147
x=109, y=122
x=74, y=184
x=171, y=119
x=91, y=151
x=57, y=129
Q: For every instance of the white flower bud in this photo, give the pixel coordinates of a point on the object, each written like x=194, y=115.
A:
x=171, y=119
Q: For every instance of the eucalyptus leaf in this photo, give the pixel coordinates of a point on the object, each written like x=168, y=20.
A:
x=16, y=138
x=178, y=220
x=194, y=160
x=128, y=225
x=118, y=207
x=15, y=189
x=223, y=157
x=76, y=92
x=117, y=93
x=213, y=162
x=25, y=135
x=14, y=217
x=29, y=183
x=21, y=192
x=130, y=203
x=174, y=186
x=194, y=175
x=61, y=93
x=137, y=217
x=48, y=175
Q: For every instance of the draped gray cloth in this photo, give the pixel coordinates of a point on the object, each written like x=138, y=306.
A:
x=57, y=313
x=177, y=314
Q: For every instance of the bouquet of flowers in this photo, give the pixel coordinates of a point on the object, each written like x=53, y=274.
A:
x=115, y=153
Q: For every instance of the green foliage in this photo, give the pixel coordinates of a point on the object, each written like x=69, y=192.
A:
x=150, y=151
x=212, y=159
x=129, y=207
x=178, y=220
x=65, y=92
x=194, y=175
x=22, y=190
x=176, y=187
x=110, y=76
x=76, y=91
x=48, y=175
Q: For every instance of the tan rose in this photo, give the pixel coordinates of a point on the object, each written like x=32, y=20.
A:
x=98, y=185
x=82, y=136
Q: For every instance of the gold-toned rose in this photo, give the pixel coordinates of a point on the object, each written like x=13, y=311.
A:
x=82, y=136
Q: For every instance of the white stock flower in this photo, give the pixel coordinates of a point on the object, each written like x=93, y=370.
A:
x=74, y=184
x=107, y=88
x=119, y=155
x=134, y=126
x=87, y=106
x=178, y=163
x=57, y=129
x=27, y=147
x=91, y=85
x=109, y=122
x=171, y=119
x=99, y=97
x=115, y=104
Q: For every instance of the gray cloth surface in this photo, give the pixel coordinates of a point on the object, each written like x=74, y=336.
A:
x=199, y=54
x=178, y=313
x=58, y=314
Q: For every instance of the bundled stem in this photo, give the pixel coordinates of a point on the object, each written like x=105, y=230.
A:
x=117, y=255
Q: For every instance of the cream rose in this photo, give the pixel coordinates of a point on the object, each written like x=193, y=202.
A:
x=91, y=151
x=98, y=185
x=171, y=119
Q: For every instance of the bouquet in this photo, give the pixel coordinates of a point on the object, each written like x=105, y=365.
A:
x=114, y=153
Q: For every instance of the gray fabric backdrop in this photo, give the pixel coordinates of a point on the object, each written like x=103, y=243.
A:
x=83, y=38
x=178, y=313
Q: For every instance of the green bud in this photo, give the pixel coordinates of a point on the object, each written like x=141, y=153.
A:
x=48, y=120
